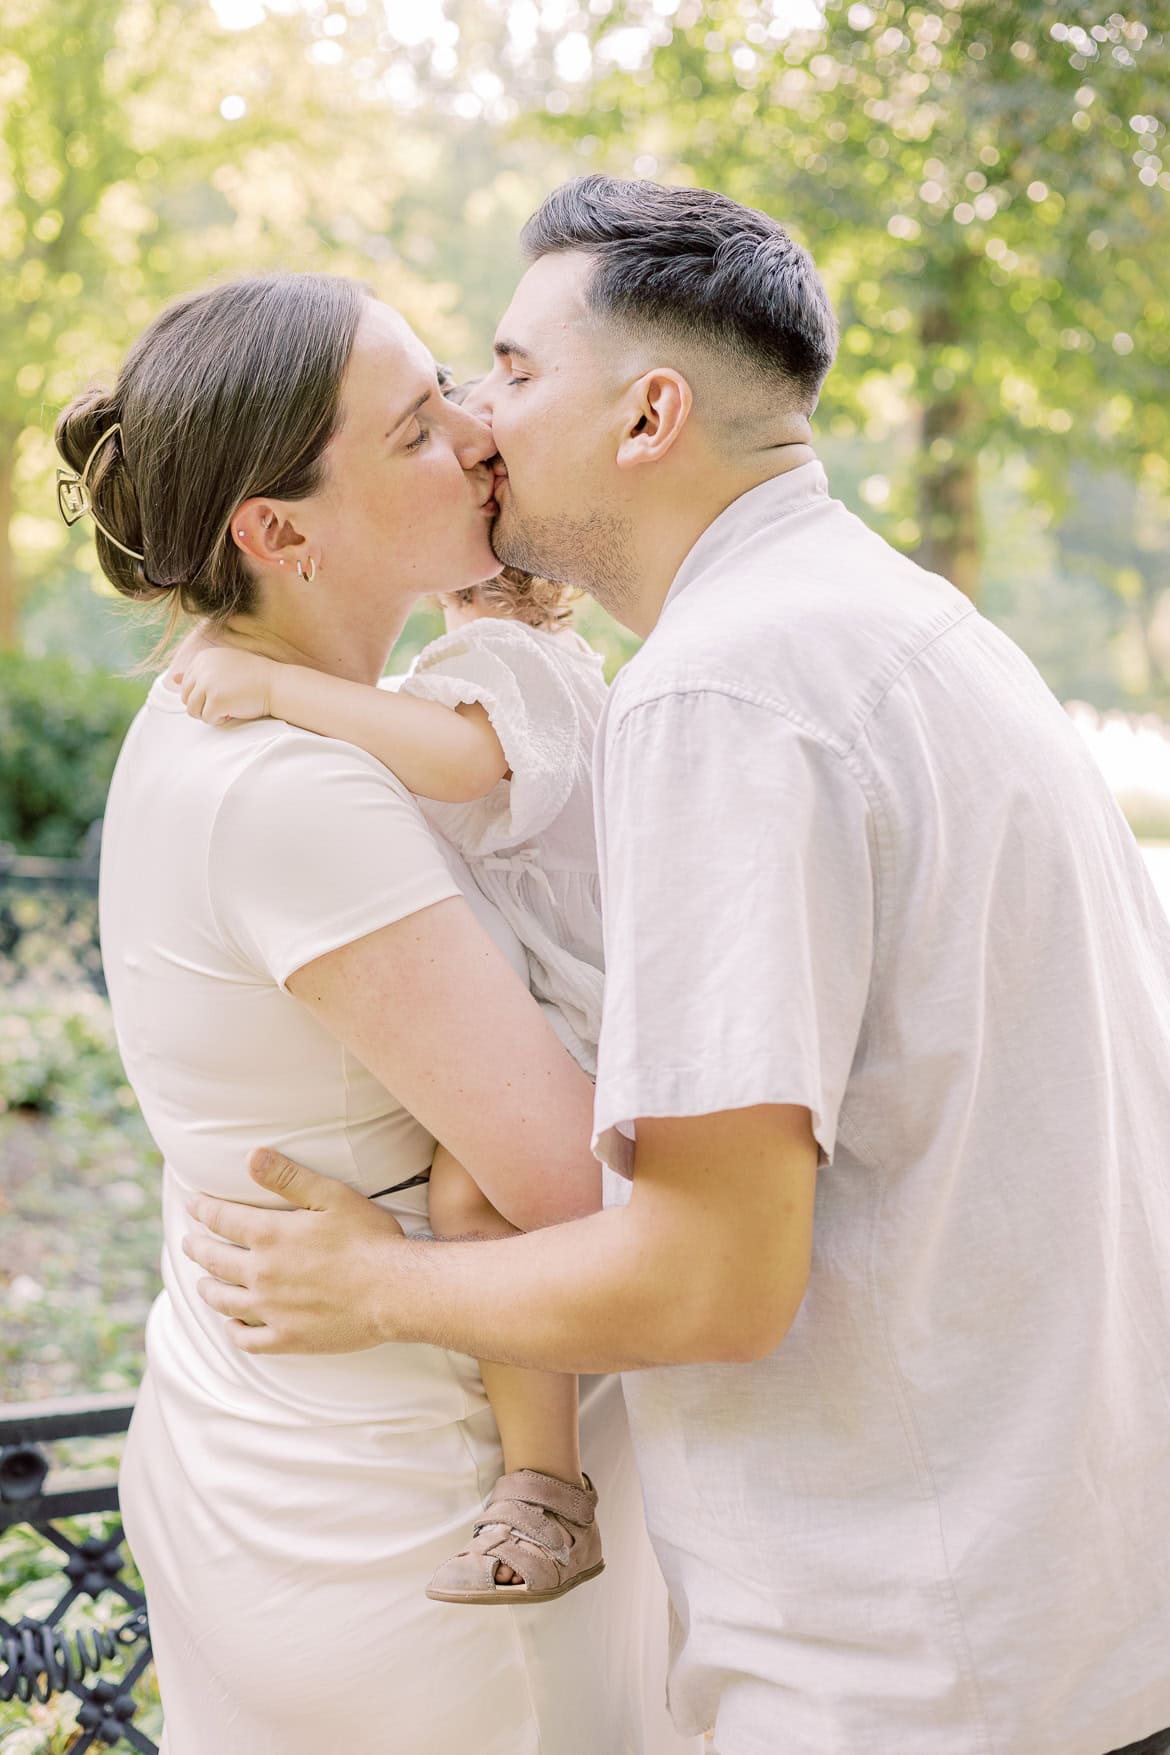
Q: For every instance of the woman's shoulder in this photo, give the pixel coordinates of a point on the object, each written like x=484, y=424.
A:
x=263, y=783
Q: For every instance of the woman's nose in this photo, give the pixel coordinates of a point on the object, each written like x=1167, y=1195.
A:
x=473, y=438
x=478, y=399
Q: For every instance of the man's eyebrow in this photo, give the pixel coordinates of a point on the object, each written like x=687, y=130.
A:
x=504, y=349
x=407, y=412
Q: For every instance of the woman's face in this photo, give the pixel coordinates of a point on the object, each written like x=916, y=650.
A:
x=406, y=505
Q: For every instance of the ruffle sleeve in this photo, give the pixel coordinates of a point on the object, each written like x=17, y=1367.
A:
x=508, y=670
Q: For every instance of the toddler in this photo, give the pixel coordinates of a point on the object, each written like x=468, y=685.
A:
x=492, y=729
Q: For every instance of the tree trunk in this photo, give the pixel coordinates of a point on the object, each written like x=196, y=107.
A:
x=9, y=580
x=948, y=465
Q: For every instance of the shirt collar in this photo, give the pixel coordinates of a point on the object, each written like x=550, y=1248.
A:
x=759, y=508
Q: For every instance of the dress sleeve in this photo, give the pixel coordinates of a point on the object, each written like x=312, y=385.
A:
x=737, y=894
x=315, y=845
x=508, y=670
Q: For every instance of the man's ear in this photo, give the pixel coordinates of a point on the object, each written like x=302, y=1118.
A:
x=659, y=406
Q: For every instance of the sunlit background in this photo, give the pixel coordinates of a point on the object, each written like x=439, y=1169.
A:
x=984, y=184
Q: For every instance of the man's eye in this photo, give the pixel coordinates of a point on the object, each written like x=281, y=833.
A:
x=512, y=381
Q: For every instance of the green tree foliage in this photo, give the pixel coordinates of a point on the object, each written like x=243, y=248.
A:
x=145, y=149
x=60, y=733
x=95, y=166
x=982, y=184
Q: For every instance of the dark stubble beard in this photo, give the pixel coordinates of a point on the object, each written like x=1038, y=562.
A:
x=594, y=553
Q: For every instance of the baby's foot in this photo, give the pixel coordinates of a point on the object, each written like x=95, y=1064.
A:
x=536, y=1539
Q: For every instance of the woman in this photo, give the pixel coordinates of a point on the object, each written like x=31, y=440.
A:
x=286, y=945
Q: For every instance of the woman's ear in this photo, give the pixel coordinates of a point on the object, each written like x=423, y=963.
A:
x=659, y=408
x=262, y=530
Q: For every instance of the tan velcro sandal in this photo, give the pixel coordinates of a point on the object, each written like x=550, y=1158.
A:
x=544, y=1529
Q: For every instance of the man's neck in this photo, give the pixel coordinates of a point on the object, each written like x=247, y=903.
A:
x=663, y=542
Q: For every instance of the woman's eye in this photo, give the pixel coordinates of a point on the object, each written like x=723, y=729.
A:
x=424, y=434
x=514, y=381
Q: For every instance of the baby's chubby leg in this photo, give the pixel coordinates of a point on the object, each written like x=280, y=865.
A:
x=536, y=1411
x=458, y=1206
x=546, y=1524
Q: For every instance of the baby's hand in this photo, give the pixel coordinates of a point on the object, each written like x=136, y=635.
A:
x=219, y=685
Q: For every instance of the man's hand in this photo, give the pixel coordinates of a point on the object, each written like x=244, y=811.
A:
x=295, y=1282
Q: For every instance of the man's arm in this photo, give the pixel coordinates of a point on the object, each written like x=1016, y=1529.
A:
x=708, y=1261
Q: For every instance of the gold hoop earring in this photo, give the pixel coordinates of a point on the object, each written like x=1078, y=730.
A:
x=309, y=573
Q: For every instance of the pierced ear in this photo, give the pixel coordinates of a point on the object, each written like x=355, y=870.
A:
x=660, y=409
x=262, y=532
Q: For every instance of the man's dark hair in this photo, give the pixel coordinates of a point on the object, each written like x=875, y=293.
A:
x=696, y=264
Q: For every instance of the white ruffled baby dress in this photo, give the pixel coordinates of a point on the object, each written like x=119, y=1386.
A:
x=530, y=842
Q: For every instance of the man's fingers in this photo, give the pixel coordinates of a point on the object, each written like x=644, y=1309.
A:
x=227, y=1218
x=248, y=1339
x=226, y=1261
x=300, y=1187
x=231, y=1301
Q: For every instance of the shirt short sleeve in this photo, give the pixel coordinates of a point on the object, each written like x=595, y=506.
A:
x=315, y=845
x=508, y=670
x=738, y=904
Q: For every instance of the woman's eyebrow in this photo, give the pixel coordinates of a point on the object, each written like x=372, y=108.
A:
x=406, y=413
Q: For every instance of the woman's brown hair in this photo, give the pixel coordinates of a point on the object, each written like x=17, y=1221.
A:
x=230, y=393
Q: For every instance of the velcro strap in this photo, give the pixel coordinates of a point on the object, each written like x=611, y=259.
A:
x=558, y=1497
x=531, y=1523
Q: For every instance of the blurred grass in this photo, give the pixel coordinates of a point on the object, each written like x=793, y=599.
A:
x=80, y=1228
x=80, y=1236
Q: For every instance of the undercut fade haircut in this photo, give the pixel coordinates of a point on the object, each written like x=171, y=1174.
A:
x=698, y=266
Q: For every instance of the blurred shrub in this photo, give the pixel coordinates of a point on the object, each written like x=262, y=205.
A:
x=60, y=732
x=58, y=1056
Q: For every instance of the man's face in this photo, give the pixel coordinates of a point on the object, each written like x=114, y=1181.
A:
x=552, y=398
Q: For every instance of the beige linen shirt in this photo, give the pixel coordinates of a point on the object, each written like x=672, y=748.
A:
x=855, y=857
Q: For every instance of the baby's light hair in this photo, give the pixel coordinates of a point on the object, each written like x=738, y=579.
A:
x=522, y=597
x=513, y=594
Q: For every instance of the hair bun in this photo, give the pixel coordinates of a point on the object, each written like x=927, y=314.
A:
x=79, y=428
x=81, y=424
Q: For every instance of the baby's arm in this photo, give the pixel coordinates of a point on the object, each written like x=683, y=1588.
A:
x=452, y=755
x=457, y=1205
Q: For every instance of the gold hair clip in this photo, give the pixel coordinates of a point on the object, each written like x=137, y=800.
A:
x=73, y=499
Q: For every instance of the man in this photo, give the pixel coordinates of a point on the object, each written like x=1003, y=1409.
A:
x=886, y=1032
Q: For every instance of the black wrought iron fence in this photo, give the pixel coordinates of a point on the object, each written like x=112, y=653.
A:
x=49, y=918
x=93, y=1642
x=90, y=1638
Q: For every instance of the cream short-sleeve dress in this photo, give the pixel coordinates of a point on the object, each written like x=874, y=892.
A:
x=287, y=1512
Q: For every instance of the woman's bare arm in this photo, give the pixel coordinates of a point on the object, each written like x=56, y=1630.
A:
x=436, y=1013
